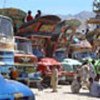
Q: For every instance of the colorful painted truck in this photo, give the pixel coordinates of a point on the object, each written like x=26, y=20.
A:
x=82, y=50
x=49, y=33
x=24, y=60
x=10, y=89
x=41, y=33
x=23, y=53
x=6, y=44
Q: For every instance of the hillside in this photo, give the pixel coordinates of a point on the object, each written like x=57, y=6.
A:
x=82, y=16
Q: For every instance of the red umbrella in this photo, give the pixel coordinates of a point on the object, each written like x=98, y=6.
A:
x=46, y=65
x=49, y=62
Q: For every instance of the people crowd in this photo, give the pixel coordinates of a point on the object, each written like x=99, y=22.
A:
x=86, y=78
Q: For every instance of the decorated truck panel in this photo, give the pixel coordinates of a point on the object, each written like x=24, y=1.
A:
x=41, y=32
x=24, y=61
x=6, y=44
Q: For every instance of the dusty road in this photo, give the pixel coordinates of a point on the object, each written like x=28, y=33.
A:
x=63, y=93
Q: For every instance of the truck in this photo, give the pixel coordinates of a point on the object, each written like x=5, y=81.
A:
x=6, y=44
x=10, y=89
x=23, y=53
x=24, y=60
x=41, y=32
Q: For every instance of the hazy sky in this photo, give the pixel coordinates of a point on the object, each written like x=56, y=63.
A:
x=63, y=7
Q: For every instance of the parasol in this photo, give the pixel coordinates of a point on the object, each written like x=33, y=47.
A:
x=49, y=62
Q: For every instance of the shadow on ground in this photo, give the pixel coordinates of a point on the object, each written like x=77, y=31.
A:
x=81, y=94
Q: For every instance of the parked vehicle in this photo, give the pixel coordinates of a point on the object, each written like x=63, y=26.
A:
x=82, y=50
x=84, y=55
x=70, y=67
x=60, y=54
x=48, y=33
x=9, y=89
x=24, y=60
x=41, y=32
x=6, y=44
x=13, y=90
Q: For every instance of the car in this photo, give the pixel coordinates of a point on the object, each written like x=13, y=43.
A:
x=13, y=90
x=70, y=67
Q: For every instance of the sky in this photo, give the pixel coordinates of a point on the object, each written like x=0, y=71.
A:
x=62, y=7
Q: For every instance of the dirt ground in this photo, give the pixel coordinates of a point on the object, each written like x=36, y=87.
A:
x=63, y=93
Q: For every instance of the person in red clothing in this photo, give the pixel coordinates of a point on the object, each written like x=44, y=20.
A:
x=29, y=17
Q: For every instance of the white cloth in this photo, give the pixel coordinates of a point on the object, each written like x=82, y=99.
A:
x=54, y=79
x=92, y=73
x=85, y=72
x=75, y=87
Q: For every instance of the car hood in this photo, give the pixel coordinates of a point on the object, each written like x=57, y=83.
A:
x=13, y=87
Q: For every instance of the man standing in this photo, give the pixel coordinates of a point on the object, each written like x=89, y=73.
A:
x=92, y=72
x=54, y=79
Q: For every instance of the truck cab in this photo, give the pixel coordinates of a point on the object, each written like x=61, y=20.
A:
x=10, y=89
x=6, y=44
x=25, y=62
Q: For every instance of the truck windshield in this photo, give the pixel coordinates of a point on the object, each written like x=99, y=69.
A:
x=83, y=55
x=23, y=46
x=60, y=55
x=5, y=28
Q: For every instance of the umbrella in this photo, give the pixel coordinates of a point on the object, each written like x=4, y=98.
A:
x=49, y=61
